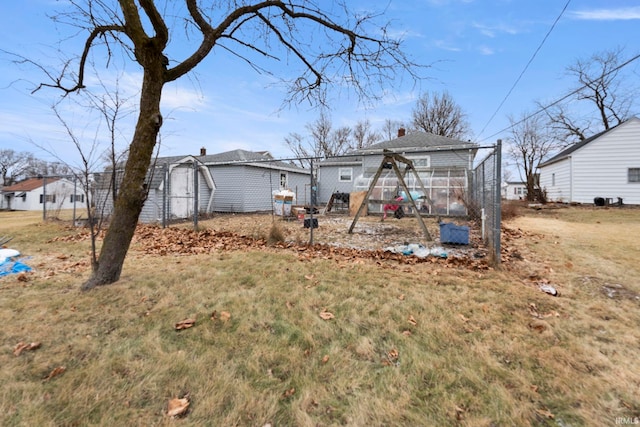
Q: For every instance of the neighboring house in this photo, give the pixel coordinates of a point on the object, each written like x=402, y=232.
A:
x=443, y=164
x=36, y=194
x=514, y=190
x=236, y=181
x=606, y=165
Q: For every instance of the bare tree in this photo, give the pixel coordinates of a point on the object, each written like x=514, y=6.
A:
x=325, y=45
x=390, y=129
x=529, y=145
x=322, y=141
x=363, y=135
x=604, y=97
x=441, y=115
x=14, y=165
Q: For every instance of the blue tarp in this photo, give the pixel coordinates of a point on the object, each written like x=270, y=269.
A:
x=13, y=267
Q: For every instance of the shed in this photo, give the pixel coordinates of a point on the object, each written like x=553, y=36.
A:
x=171, y=184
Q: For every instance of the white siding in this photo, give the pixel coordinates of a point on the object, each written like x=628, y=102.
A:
x=600, y=168
x=61, y=190
x=555, y=179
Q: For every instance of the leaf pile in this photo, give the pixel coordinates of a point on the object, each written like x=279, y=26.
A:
x=154, y=240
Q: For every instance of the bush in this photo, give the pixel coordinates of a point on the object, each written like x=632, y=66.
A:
x=510, y=210
x=276, y=235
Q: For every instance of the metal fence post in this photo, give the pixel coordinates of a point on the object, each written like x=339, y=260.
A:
x=498, y=202
x=195, y=194
x=75, y=187
x=312, y=196
x=44, y=198
x=165, y=189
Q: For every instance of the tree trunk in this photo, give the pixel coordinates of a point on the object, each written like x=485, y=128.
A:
x=132, y=193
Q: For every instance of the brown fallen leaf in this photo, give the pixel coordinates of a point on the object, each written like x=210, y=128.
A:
x=21, y=346
x=464, y=319
x=401, y=297
x=214, y=315
x=459, y=413
x=412, y=320
x=393, y=355
x=325, y=359
x=185, y=324
x=288, y=393
x=325, y=315
x=545, y=413
x=57, y=371
x=177, y=406
x=225, y=316
x=22, y=277
x=309, y=276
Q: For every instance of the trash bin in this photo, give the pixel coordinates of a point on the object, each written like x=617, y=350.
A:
x=455, y=234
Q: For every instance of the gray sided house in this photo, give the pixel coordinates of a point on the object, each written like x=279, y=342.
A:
x=443, y=164
x=607, y=166
x=246, y=180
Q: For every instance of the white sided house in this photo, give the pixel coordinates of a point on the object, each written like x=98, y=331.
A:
x=36, y=194
x=514, y=190
x=607, y=166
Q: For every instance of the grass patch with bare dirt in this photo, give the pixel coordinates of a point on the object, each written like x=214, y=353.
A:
x=285, y=339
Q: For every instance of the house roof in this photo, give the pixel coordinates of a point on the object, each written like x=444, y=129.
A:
x=412, y=142
x=255, y=158
x=28, y=185
x=236, y=156
x=418, y=141
x=567, y=151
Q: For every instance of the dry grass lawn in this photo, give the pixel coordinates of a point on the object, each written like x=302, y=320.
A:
x=287, y=339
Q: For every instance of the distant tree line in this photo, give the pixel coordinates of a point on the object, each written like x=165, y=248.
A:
x=434, y=112
x=18, y=165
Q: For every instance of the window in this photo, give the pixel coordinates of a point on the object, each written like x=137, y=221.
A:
x=634, y=175
x=422, y=162
x=78, y=198
x=51, y=198
x=345, y=174
x=283, y=180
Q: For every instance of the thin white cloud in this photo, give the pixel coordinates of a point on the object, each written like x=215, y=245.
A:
x=445, y=45
x=485, y=50
x=492, y=30
x=619, y=14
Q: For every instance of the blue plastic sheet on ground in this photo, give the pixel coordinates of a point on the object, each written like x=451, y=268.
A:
x=13, y=267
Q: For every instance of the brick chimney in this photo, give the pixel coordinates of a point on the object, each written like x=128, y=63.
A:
x=402, y=132
x=203, y=151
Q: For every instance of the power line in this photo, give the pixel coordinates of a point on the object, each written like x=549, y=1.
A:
x=559, y=100
x=526, y=66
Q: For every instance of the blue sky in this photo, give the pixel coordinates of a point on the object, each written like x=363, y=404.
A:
x=477, y=49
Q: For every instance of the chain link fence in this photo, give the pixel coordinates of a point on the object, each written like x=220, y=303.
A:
x=248, y=191
x=485, y=202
